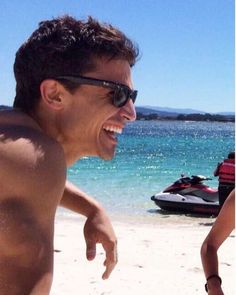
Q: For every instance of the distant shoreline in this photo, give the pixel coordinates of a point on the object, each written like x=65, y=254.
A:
x=186, y=117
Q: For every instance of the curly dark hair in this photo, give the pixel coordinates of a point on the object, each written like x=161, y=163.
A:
x=62, y=46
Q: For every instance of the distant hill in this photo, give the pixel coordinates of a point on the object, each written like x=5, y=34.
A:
x=161, y=113
x=226, y=113
x=174, y=111
x=2, y=107
x=148, y=111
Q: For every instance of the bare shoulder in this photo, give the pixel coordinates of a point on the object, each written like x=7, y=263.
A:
x=30, y=161
x=32, y=180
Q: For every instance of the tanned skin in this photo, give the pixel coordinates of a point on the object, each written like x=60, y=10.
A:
x=35, y=151
x=223, y=226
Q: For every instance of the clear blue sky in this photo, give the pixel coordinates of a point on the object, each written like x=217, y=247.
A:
x=187, y=46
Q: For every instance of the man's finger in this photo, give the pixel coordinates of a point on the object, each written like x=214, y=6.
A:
x=110, y=263
x=90, y=249
x=109, y=269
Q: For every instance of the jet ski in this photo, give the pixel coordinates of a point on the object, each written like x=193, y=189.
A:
x=189, y=195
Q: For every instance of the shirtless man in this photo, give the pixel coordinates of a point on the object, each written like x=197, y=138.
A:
x=73, y=93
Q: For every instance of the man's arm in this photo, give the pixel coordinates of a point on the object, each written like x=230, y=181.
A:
x=76, y=200
x=216, y=172
x=97, y=228
x=221, y=229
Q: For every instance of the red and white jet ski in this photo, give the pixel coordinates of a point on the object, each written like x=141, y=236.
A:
x=189, y=195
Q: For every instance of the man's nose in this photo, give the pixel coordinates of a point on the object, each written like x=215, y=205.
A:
x=128, y=111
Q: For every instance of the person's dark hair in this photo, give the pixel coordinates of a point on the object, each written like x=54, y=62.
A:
x=64, y=46
x=231, y=155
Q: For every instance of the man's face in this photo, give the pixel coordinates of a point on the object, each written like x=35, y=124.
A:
x=93, y=119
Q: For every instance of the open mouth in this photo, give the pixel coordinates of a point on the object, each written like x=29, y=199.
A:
x=111, y=131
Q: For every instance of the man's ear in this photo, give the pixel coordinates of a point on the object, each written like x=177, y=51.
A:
x=51, y=94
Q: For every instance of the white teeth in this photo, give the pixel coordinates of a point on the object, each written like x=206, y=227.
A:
x=113, y=129
x=118, y=130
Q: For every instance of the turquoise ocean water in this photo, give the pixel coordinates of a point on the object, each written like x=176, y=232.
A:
x=150, y=155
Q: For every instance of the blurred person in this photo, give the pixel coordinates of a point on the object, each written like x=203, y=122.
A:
x=226, y=172
x=223, y=226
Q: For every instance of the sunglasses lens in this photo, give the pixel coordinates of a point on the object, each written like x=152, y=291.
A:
x=133, y=95
x=122, y=95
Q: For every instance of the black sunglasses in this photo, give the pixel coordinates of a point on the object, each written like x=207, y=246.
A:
x=122, y=93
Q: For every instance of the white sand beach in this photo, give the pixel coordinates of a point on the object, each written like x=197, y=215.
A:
x=154, y=258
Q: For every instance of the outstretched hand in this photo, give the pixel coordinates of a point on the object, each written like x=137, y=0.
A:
x=98, y=229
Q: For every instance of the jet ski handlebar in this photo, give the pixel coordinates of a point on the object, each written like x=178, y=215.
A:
x=194, y=179
x=200, y=177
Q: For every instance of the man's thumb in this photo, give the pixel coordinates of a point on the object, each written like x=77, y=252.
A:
x=90, y=250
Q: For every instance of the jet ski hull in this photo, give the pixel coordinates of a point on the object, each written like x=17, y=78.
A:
x=185, y=204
